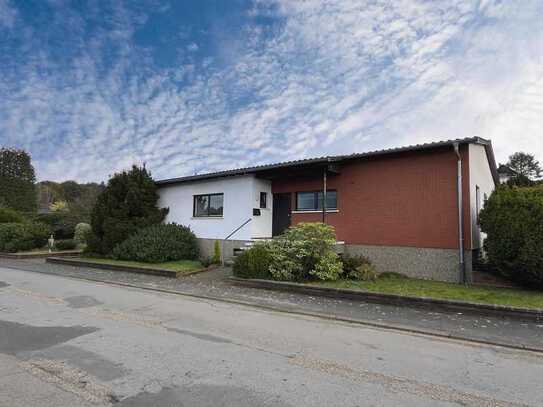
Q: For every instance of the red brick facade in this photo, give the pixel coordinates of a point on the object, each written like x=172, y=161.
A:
x=407, y=199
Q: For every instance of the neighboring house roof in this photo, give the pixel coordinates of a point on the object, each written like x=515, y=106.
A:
x=339, y=158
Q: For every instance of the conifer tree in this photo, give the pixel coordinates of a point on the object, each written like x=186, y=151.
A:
x=127, y=204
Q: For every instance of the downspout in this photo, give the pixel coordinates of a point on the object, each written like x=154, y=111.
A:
x=324, y=196
x=461, y=254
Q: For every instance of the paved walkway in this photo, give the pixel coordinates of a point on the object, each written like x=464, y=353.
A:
x=215, y=284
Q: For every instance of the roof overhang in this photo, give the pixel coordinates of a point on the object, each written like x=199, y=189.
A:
x=271, y=171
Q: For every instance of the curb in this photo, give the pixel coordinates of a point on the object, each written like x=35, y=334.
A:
x=380, y=325
x=393, y=299
x=128, y=269
x=391, y=327
x=21, y=256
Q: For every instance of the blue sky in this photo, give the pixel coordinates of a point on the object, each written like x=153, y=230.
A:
x=90, y=87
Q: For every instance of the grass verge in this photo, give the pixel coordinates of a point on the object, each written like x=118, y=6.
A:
x=180, y=266
x=400, y=285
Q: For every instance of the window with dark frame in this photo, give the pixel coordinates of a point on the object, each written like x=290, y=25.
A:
x=263, y=200
x=312, y=201
x=208, y=205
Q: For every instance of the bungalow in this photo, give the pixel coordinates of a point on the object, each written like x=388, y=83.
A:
x=412, y=210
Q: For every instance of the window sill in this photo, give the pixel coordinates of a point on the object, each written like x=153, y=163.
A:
x=327, y=211
x=207, y=217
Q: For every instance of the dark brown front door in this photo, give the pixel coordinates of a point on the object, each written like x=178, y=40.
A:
x=281, y=213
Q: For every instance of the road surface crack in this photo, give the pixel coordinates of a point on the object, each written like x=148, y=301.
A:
x=403, y=385
x=72, y=380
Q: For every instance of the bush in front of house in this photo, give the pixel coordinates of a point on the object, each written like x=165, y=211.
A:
x=364, y=272
x=18, y=237
x=8, y=215
x=126, y=205
x=82, y=233
x=513, y=221
x=158, y=244
x=358, y=267
x=253, y=263
x=305, y=252
x=66, y=244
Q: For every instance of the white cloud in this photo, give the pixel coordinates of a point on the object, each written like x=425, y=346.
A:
x=337, y=76
x=8, y=14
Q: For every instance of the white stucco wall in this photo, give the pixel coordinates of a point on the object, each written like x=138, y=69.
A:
x=262, y=225
x=237, y=206
x=241, y=195
x=481, y=176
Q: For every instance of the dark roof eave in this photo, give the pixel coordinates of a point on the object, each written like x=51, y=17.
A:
x=323, y=160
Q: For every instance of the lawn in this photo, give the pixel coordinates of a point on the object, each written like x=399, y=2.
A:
x=182, y=266
x=399, y=285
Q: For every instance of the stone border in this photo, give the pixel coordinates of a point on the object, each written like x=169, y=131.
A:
x=393, y=299
x=129, y=269
x=40, y=255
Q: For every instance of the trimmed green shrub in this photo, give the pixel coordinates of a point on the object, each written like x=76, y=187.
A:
x=364, y=272
x=513, y=221
x=216, y=253
x=82, y=233
x=17, y=237
x=305, y=252
x=351, y=263
x=67, y=244
x=158, y=244
x=128, y=204
x=8, y=215
x=253, y=263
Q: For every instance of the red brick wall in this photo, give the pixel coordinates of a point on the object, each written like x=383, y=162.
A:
x=403, y=200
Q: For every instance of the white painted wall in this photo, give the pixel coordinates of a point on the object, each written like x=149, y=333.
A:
x=479, y=175
x=262, y=225
x=237, y=206
x=241, y=195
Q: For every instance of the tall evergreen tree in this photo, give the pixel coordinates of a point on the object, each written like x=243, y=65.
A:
x=128, y=203
x=17, y=180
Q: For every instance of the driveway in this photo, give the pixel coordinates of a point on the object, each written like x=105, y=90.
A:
x=105, y=345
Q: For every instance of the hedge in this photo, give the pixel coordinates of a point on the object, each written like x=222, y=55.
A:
x=67, y=244
x=8, y=215
x=17, y=237
x=158, y=244
x=253, y=263
x=513, y=221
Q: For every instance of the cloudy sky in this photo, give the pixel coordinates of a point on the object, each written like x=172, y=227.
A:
x=90, y=87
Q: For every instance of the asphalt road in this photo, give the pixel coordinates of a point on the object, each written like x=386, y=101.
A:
x=65, y=342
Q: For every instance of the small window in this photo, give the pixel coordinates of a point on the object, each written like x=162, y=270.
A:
x=263, y=200
x=208, y=205
x=312, y=201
